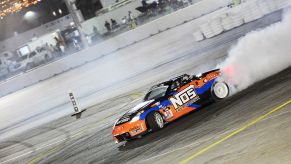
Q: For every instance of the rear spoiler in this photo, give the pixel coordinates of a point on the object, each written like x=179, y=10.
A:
x=215, y=70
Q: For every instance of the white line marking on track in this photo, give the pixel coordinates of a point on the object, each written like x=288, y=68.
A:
x=50, y=144
x=24, y=154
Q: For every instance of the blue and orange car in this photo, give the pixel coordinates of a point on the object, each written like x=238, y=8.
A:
x=169, y=100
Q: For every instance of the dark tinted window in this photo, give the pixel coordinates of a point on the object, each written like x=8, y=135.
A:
x=32, y=54
x=22, y=58
x=156, y=93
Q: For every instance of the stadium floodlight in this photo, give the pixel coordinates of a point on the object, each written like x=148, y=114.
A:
x=60, y=11
x=30, y=16
x=54, y=13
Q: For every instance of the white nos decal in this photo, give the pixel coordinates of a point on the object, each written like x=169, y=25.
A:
x=183, y=97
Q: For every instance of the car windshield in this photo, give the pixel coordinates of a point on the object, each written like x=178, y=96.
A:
x=156, y=93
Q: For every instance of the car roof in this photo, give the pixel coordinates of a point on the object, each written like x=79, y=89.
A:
x=178, y=77
x=169, y=82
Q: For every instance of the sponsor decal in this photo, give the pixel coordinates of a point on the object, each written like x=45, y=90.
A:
x=135, y=130
x=168, y=113
x=183, y=97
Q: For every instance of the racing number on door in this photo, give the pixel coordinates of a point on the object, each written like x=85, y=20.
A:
x=183, y=97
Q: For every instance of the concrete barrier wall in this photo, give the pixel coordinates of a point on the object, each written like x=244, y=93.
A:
x=116, y=14
x=236, y=16
x=188, y=13
x=123, y=40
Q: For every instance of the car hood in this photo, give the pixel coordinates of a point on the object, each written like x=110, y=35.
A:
x=131, y=113
x=140, y=106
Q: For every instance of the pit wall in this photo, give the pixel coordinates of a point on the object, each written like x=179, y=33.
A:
x=200, y=11
x=185, y=14
x=237, y=16
x=116, y=14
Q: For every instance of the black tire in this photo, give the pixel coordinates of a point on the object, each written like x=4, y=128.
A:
x=219, y=90
x=29, y=66
x=46, y=57
x=155, y=121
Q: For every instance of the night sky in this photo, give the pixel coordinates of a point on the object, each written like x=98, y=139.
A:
x=16, y=22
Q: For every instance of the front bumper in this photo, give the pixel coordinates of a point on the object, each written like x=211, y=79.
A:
x=128, y=130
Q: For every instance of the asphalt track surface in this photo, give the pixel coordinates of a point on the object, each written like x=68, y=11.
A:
x=206, y=131
x=269, y=140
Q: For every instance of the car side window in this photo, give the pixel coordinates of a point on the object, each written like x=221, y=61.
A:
x=32, y=54
x=186, y=79
x=176, y=85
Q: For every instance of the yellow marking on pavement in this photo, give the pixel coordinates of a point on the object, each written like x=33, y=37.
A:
x=235, y=132
x=41, y=156
x=136, y=95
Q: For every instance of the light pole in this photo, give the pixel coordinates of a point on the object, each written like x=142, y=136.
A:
x=72, y=10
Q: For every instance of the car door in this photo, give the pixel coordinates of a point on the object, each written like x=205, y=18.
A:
x=181, y=98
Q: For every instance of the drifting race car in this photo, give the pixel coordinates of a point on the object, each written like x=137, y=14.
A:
x=167, y=101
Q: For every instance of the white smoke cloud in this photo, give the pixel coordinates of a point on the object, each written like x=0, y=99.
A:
x=259, y=54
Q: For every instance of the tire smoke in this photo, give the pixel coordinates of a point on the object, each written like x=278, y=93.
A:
x=258, y=55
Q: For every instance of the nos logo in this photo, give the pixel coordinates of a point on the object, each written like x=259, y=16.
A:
x=183, y=97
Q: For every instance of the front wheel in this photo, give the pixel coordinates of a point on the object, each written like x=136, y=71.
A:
x=155, y=121
x=220, y=90
x=29, y=66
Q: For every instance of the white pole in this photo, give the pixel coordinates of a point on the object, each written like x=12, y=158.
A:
x=74, y=102
x=77, y=110
x=72, y=11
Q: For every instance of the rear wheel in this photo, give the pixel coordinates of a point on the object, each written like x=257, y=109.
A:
x=46, y=57
x=29, y=66
x=220, y=90
x=155, y=121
